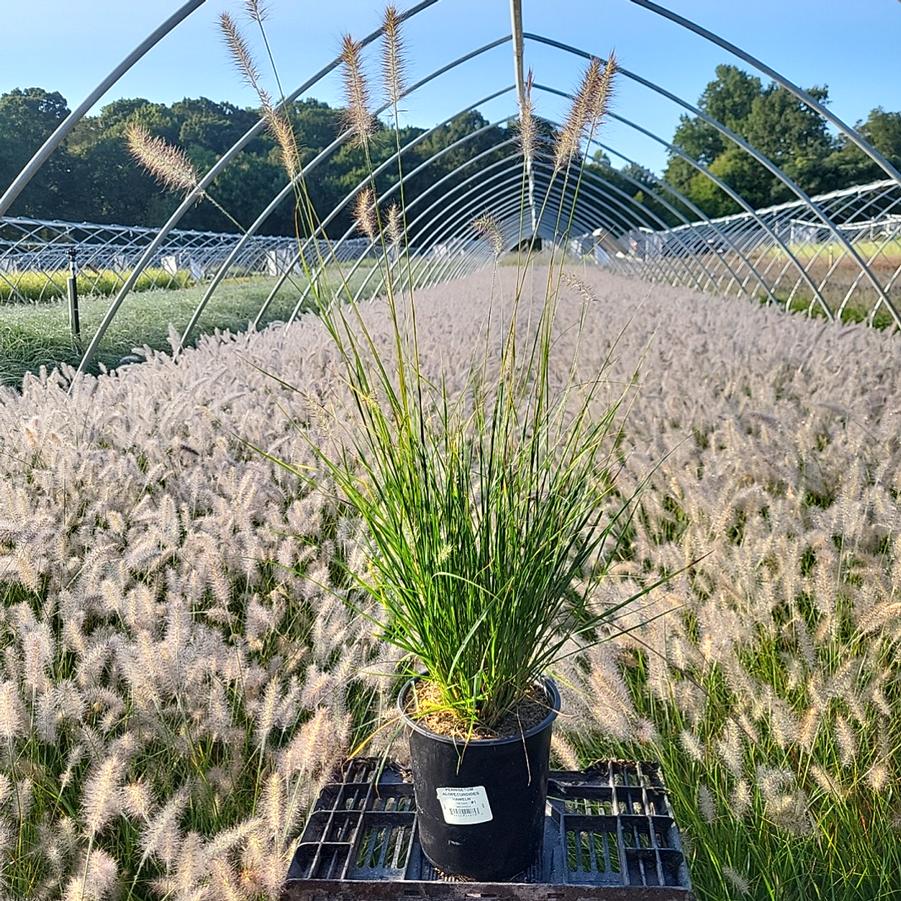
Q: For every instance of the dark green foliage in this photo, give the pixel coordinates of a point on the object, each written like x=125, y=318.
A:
x=92, y=177
x=783, y=129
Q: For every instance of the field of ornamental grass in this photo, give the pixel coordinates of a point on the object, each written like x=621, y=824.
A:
x=179, y=672
x=33, y=335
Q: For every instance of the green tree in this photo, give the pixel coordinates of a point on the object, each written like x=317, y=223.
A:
x=794, y=137
x=785, y=130
x=27, y=118
x=93, y=178
x=851, y=166
x=729, y=99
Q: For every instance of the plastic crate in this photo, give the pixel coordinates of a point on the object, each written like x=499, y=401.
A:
x=609, y=834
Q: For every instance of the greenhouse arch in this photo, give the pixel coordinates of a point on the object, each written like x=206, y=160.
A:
x=518, y=454
x=776, y=255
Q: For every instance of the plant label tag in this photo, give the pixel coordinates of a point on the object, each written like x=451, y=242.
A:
x=464, y=806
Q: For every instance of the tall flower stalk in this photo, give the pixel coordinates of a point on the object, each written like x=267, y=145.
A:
x=483, y=508
x=169, y=165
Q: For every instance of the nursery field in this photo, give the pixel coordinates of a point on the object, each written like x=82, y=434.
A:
x=884, y=253
x=36, y=335
x=836, y=275
x=180, y=672
x=39, y=287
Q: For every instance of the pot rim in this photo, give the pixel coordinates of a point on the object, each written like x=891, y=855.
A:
x=553, y=694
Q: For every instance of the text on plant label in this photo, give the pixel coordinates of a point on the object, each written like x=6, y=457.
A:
x=464, y=806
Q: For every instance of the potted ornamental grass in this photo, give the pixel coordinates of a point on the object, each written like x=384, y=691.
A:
x=484, y=510
x=488, y=511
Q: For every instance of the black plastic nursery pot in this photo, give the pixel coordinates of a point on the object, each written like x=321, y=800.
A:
x=480, y=804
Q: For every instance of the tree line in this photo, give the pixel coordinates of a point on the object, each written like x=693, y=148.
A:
x=788, y=132
x=92, y=177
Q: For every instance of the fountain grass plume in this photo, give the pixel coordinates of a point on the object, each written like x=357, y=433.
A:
x=393, y=56
x=256, y=10
x=395, y=224
x=281, y=129
x=486, y=225
x=276, y=119
x=587, y=110
x=600, y=94
x=528, y=132
x=365, y=213
x=168, y=164
x=240, y=53
x=356, y=90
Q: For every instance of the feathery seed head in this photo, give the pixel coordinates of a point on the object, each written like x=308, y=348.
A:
x=789, y=811
x=569, y=138
x=272, y=805
x=281, y=129
x=706, y=803
x=564, y=751
x=774, y=784
x=528, y=133
x=395, y=224
x=356, y=91
x=646, y=733
x=738, y=882
x=578, y=286
x=741, y=799
x=224, y=881
x=256, y=10
x=692, y=746
x=136, y=800
x=730, y=748
x=265, y=714
x=846, y=740
x=240, y=53
x=587, y=111
x=486, y=225
x=878, y=777
x=809, y=727
x=315, y=748
x=365, y=214
x=169, y=165
x=160, y=837
x=24, y=798
x=393, y=62
x=598, y=100
x=11, y=713
x=102, y=798
x=276, y=119
x=95, y=880
x=783, y=724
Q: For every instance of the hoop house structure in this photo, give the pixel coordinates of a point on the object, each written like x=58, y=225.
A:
x=835, y=255
x=570, y=353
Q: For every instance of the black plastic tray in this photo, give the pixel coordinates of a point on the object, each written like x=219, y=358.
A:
x=609, y=834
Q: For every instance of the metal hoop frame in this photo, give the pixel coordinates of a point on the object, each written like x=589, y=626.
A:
x=754, y=251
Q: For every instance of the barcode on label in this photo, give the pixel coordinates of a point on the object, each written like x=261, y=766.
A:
x=464, y=806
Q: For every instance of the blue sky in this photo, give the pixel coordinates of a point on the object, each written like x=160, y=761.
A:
x=853, y=47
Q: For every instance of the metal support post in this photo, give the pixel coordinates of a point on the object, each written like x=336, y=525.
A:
x=72, y=285
x=517, y=34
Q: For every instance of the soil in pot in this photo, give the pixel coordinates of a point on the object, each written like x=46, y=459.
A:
x=481, y=801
